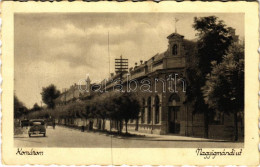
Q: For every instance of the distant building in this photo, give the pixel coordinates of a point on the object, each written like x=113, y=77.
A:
x=74, y=92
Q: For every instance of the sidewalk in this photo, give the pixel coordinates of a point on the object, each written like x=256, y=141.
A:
x=155, y=137
x=20, y=132
x=174, y=137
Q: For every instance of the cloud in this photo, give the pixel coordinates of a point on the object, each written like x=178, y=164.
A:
x=68, y=29
x=63, y=48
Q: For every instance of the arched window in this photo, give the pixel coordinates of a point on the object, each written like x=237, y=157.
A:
x=174, y=98
x=149, y=105
x=143, y=111
x=174, y=49
x=156, y=106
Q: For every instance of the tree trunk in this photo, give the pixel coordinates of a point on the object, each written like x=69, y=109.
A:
x=99, y=124
x=117, y=126
x=110, y=125
x=192, y=124
x=103, y=125
x=120, y=127
x=235, y=126
x=126, y=127
x=206, y=124
x=137, y=124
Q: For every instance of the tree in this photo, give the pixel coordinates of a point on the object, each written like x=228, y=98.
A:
x=49, y=94
x=19, y=108
x=76, y=109
x=224, y=89
x=99, y=108
x=131, y=107
x=116, y=106
x=214, y=40
x=36, y=107
x=128, y=107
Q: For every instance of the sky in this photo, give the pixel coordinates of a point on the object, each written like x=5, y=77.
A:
x=61, y=49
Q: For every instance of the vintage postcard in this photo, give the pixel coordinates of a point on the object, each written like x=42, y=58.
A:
x=109, y=83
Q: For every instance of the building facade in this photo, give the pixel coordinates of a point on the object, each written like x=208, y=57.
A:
x=164, y=109
x=161, y=87
x=160, y=84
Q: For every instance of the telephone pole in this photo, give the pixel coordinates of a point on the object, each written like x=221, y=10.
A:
x=121, y=65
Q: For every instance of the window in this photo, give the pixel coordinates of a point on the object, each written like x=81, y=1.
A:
x=149, y=110
x=174, y=97
x=174, y=49
x=37, y=123
x=157, y=103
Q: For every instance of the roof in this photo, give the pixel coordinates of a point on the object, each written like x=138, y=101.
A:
x=158, y=57
x=175, y=35
x=75, y=91
x=138, y=67
x=155, y=58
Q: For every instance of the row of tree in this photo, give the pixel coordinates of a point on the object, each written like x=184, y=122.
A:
x=19, y=108
x=216, y=71
x=114, y=106
x=49, y=94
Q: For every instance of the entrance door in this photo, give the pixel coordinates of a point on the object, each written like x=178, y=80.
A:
x=174, y=125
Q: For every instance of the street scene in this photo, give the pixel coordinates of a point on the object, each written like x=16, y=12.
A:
x=128, y=80
x=68, y=137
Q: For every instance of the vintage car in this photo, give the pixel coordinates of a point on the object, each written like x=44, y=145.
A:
x=37, y=126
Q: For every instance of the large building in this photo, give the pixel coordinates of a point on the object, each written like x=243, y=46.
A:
x=162, y=96
x=164, y=106
x=160, y=83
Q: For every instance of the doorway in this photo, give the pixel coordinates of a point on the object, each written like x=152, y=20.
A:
x=174, y=124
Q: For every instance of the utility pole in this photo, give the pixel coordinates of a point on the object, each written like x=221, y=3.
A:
x=121, y=65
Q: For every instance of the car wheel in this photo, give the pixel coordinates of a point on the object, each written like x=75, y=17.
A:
x=44, y=135
x=29, y=135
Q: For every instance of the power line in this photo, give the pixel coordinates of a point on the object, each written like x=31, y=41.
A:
x=108, y=53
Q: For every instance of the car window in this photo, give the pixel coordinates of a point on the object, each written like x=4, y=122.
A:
x=37, y=123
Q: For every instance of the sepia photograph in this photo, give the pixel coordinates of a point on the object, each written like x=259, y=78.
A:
x=109, y=83
x=129, y=80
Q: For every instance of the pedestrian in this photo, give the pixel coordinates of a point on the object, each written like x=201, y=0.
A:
x=82, y=128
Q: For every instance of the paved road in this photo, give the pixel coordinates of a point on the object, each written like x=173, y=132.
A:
x=67, y=137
